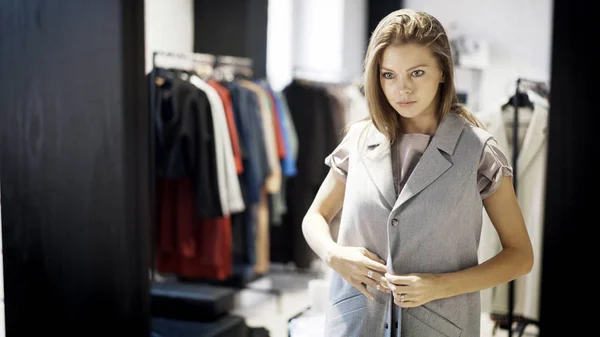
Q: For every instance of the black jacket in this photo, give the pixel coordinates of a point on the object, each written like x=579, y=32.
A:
x=185, y=145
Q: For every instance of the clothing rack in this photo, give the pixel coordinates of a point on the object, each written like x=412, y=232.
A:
x=194, y=57
x=515, y=155
x=235, y=60
x=188, y=61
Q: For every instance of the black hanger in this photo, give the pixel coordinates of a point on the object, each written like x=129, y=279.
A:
x=522, y=99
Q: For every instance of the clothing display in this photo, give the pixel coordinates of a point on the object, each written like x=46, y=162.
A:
x=220, y=148
x=319, y=113
x=531, y=173
x=227, y=155
x=458, y=167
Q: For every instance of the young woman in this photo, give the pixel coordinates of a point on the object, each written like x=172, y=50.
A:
x=412, y=181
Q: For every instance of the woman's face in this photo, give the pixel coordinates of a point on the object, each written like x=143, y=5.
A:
x=410, y=78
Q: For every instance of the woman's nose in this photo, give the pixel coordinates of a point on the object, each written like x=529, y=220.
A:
x=404, y=87
x=405, y=91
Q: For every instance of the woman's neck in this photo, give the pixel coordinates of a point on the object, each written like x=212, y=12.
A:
x=420, y=124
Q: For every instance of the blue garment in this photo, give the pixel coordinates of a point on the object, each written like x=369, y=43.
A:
x=288, y=164
x=248, y=121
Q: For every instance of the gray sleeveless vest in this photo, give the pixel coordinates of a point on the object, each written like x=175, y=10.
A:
x=433, y=226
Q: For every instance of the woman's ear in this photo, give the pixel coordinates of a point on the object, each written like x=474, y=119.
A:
x=442, y=78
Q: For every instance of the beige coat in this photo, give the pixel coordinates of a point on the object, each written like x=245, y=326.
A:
x=531, y=182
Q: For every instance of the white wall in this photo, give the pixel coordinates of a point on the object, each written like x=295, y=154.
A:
x=280, y=43
x=318, y=37
x=519, y=34
x=355, y=38
x=169, y=27
x=326, y=40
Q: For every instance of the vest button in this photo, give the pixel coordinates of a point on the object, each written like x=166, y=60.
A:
x=386, y=325
x=394, y=222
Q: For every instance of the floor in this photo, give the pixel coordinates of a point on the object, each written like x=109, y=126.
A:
x=271, y=311
x=274, y=313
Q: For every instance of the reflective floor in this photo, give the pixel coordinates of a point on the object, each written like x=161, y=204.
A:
x=274, y=313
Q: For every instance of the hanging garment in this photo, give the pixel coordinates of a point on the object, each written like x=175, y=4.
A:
x=188, y=246
x=288, y=163
x=249, y=124
x=276, y=203
x=229, y=185
x=276, y=122
x=241, y=223
x=291, y=130
x=279, y=235
x=256, y=167
x=312, y=118
x=273, y=183
x=531, y=184
x=242, y=228
x=233, y=132
x=185, y=145
x=405, y=231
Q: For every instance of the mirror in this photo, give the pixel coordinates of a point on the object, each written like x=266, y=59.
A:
x=305, y=89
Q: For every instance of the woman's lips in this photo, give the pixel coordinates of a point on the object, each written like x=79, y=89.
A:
x=405, y=104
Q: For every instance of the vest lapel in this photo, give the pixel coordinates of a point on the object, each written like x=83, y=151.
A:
x=433, y=163
x=378, y=163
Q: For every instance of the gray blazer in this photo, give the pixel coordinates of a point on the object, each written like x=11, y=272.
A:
x=432, y=227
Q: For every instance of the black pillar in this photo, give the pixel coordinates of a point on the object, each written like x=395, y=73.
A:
x=569, y=247
x=73, y=167
x=233, y=27
x=378, y=9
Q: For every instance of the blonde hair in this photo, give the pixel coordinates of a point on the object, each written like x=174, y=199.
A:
x=408, y=26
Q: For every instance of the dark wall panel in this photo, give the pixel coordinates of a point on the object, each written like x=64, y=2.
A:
x=73, y=142
x=232, y=27
x=378, y=9
x=569, y=251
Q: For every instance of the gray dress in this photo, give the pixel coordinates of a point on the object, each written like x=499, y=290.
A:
x=417, y=204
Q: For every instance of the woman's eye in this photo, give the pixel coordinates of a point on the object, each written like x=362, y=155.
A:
x=387, y=75
x=418, y=73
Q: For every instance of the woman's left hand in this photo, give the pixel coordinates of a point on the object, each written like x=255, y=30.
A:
x=413, y=290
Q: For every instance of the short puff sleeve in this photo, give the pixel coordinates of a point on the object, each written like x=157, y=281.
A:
x=339, y=159
x=493, y=166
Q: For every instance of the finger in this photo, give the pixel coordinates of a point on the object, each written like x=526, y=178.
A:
x=383, y=288
x=373, y=284
x=373, y=256
x=398, y=279
x=376, y=276
x=399, y=290
x=405, y=300
x=402, y=297
x=362, y=289
x=368, y=281
x=377, y=266
x=407, y=304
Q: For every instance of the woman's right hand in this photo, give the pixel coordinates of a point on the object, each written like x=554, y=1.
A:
x=359, y=267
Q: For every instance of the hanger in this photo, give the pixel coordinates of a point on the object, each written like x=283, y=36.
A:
x=229, y=68
x=523, y=100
